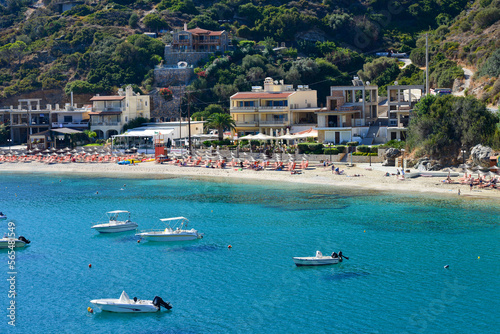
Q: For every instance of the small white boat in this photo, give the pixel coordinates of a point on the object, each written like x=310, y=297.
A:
x=6, y=242
x=318, y=260
x=116, y=223
x=126, y=305
x=2, y=216
x=175, y=231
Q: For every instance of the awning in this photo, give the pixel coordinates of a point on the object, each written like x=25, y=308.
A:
x=149, y=132
x=66, y=130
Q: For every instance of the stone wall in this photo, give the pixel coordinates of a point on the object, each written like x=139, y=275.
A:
x=168, y=110
x=192, y=58
x=165, y=77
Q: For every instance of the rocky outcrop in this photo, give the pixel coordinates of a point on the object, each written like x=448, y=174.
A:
x=390, y=156
x=480, y=155
x=426, y=164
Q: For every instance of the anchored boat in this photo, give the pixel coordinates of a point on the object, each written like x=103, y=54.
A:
x=126, y=305
x=117, y=222
x=174, y=231
x=319, y=259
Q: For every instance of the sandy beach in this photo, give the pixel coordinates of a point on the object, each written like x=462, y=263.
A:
x=370, y=177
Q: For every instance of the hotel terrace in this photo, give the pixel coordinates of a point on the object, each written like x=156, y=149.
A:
x=275, y=107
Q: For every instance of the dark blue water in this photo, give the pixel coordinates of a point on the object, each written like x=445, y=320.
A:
x=393, y=282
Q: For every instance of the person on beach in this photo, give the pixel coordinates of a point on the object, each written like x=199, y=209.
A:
x=333, y=168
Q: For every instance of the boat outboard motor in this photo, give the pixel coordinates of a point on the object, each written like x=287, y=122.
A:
x=157, y=301
x=24, y=239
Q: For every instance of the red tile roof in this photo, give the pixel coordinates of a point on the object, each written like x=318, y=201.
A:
x=107, y=98
x=261, y=95
x=199, y=31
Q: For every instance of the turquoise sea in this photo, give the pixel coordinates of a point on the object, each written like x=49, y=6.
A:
x=393, y=282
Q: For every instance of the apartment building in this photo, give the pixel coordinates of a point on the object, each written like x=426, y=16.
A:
x=349, y=113
x=275, y=106
x=110, y=113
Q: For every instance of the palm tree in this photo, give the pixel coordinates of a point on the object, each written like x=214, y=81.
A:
x=220, y=121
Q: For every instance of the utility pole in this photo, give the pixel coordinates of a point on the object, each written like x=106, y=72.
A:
x=180, y=123
x=427, y=64
x=189, y=121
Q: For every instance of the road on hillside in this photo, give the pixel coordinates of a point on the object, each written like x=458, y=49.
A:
x=468, y=76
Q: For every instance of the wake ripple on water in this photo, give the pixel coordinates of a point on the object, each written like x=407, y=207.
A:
x=344, y=275
x=196, y=248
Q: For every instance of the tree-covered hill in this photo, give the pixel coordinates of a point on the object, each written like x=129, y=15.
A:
x=99, y=45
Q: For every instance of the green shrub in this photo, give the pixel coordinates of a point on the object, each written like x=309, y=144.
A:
x=303, y=148
x=352, y=143
x=363, y=149
x=332, y=151
x=340, y=148
x=394, y=143
x=315, y=148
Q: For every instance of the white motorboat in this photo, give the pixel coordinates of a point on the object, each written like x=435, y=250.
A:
x=116, y=223
x=175, y=231
x=2, y=216
x=6, y=242
x=319, y=259
x=126, y=305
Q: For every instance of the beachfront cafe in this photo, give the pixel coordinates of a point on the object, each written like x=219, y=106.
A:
x=167, y=134
x=142, y=139
x=53, y=138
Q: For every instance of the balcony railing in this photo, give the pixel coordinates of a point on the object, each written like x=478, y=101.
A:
x=248, y=123
x=244, y=108
x=265, y=108
x=104, y=123
x=69, y=124
x=280, y=122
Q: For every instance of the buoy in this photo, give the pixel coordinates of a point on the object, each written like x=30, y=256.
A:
x=478, y=257
x=447, y=266
x=90, y=310
x=364, y=231
x=138, y=241
x=90, y=265
x=229, y=246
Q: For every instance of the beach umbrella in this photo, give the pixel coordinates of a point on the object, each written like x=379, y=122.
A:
x=248, y=137
x=262, y=136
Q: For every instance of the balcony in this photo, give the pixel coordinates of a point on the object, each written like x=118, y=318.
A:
x=273, y=123
x=244, y=109
x=70, y=125
x=104, y=123
x=272, y=108
x=247, y=123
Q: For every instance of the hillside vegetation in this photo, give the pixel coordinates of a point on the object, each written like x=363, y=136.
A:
x=99, y=46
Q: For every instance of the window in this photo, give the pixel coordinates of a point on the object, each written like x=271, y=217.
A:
x=146, y=103
x=68, y=119
x=126, y=119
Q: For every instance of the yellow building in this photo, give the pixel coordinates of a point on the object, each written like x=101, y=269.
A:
x=275, y=106
x=110, y=113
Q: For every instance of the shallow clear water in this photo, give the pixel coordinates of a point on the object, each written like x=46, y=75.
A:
x=393, y=282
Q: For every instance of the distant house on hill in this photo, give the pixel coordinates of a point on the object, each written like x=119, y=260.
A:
x=192, y=45
x=67, y=5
